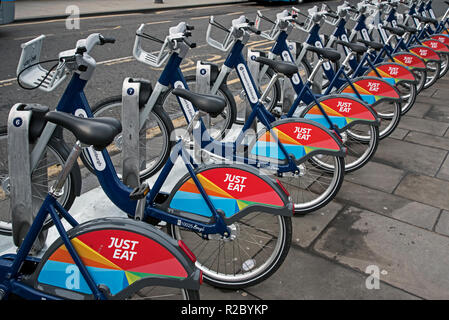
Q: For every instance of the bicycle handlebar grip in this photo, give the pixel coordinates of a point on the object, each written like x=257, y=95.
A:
x=252, y=29
x=330, y=14
x=108, y=40
x=191, y=45
x=80, y=50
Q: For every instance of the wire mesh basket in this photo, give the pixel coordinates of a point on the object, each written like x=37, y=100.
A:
x=260, y=24
x=154, y=59
x=306, y=21
x=223, y=45
x=31, y=71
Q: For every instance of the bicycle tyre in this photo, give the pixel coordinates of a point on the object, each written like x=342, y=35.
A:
x=229, y=281
x=71, y=187
x=113, y=106
x=366, y=155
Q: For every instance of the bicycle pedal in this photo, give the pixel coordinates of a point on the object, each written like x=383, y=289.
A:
x=276, y=112
x=139, y=192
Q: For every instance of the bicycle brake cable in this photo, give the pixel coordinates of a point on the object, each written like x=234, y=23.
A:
x=42, y=81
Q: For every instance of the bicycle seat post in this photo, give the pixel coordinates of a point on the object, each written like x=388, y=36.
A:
x=56, y=190
x=272, y=82
x=315, y=70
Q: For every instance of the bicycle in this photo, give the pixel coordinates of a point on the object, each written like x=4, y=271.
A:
x=108, y=258
x=430, y=57
x=407, y=77
x=228, y=204
x=384, y=99
x=273, y=148
x=327, y=109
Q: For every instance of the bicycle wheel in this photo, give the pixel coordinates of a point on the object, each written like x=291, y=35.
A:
x=256, y=248
x=274, y=96
x=389, y=113
x=217, y=127
x=421, y=76
x=407, y=92
x=359, y=151
x=313, y=187
x=50, y=164
x=155, y=141
x=432, y=73
x=444, y=65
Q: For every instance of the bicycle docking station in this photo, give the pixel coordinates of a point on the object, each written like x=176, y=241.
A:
x=254, y=68
x=24, y=201
x=131, y=139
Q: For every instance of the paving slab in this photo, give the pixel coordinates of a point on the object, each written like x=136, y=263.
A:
x=444, y=170
x=418, y=214
x=428, y=140
x=208, y=292
x=425, y=189
x=419, y=110
x=399, y=133
x=429, y=100
x=439, y=113
x=410, y=156
x=377, y=176
x=307, y=228
x=307, y=276
x=427, y=92
x=423, y=125
x=410, y=258
x=441, y=92
x=442, y=225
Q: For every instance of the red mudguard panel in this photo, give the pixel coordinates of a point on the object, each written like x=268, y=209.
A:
x=393, y=73
x=409, y=60
x=436, y=45
x=116, y=258
x=300, y=138
x=425, y=53
x=444, y=38
x=342, y=111
x=372, y=90
x=229, y=189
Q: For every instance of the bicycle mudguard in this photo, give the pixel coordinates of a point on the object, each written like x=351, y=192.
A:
x=233, y=190
x=372, y=90
x=342, y=110
x=411, y=61
x=425, y=53
x=436, y=45
x=393, y=73
x=444, y=38
x=119, y=253
x=301, y=138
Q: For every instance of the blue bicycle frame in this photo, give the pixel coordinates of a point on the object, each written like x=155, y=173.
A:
x=74, y=101
x=51, y=207
x=303, y=91
x=172, y=75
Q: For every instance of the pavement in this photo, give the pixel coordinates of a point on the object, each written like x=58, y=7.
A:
x=390, y=220
x=43, y=9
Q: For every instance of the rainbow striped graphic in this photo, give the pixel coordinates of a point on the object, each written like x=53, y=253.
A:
x=132, y=258
x=371, y=90
x=341, y=111
x=229, y=189
x=297, y=138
